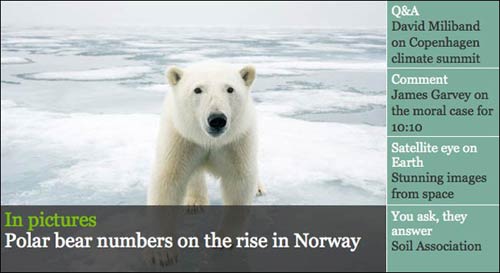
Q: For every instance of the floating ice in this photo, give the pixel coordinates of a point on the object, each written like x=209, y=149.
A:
x=187, y=57
x=101, y=74
x=15, y=60
x=326, y=65
x=146, y=44
x=285, y=66
x=299, y=67
x=156, y=87
x=29, y=41
x=365, y=45
x=306, y=163
x=102, y=158
x=99, y=153
x=316, y=101
x=7, y=104
x=324, y=47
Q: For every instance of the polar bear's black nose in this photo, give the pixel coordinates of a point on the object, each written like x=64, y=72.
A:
x=217, y=121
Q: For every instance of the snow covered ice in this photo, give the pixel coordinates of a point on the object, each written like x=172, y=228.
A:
x=80, y=111
x=15, y=60
x=113, y=73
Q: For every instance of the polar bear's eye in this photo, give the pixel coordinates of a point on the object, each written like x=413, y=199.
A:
x=197, y=90
x=230, y=90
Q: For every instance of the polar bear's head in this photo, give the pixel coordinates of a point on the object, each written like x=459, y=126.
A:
x=211, y=101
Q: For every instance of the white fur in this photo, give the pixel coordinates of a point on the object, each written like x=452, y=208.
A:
x=185, y=151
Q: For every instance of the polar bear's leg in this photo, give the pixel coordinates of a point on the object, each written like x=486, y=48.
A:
x=261, y=189
x=238, y=190
x=197, y=192
x=237, y=166
x=175, y=164
x=176, y=160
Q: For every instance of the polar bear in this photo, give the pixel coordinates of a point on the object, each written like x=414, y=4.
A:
x=208, y=124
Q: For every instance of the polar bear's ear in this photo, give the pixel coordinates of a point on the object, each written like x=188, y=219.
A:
x=248, y=74
x=174, y=75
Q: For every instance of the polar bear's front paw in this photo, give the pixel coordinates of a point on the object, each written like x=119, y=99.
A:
x=194, y=209
x=195, y=205
x=261, y=190
x=161, y=257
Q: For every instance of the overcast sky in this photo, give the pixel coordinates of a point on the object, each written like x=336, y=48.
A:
x=256, y=14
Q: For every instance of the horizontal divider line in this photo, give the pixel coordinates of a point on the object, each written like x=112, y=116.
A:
x=448, y=136
x=443, y=205
x=458, y=68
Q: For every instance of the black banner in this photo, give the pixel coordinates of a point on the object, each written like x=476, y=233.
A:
x=216, y=238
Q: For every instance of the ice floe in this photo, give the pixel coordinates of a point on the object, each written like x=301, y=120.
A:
x=100, y=74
